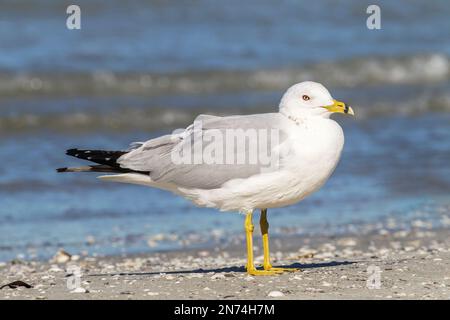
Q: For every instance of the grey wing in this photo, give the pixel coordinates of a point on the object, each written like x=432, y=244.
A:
x=175, y=159
x=147, y=156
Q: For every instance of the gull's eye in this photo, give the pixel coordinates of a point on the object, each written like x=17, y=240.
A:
x=305, y=97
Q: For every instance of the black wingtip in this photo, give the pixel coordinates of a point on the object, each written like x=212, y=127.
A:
x=61, y=169
x=72, y=152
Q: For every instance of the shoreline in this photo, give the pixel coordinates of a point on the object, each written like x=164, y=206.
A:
x=410, y=265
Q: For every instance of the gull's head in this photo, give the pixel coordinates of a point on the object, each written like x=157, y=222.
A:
x=306, y=99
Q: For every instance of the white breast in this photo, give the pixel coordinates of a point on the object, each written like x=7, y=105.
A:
x=316, y=150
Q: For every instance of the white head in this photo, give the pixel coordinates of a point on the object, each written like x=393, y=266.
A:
x=306, y=99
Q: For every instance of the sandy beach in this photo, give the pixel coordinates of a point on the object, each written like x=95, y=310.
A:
x=410, y=265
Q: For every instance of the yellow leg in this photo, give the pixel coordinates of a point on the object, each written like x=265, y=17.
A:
x=264, y=224
x=249, y=227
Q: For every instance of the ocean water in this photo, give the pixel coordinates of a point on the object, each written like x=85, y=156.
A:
x=138, y=69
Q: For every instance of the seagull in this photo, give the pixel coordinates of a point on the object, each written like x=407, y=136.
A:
x=238, y=163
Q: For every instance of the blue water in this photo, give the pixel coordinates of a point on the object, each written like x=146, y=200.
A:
x=138, y=69
x=202, y=34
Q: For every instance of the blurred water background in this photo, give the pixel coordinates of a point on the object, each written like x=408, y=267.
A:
x=138, y=69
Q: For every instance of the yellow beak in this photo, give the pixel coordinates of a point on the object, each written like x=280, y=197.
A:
x=340, y=107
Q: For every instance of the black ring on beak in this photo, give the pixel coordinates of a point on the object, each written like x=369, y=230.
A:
x=346, y=109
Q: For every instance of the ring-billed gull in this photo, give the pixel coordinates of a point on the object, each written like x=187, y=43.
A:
x=239, y=163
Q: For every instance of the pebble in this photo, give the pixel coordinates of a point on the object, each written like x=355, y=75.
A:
x=203, y=253
x=230, y=275
x=79, y=290
x=275, y=294
x=126, y=293
x=61, y=257
x=196, y=275
x=55, y=268
x=347, y=242
x=314, y=290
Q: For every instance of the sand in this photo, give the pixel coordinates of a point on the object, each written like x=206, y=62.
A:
x=395, y=265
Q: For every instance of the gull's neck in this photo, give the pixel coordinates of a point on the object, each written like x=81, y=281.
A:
x=300, y=117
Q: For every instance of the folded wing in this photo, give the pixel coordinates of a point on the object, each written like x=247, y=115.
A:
x=175, y=159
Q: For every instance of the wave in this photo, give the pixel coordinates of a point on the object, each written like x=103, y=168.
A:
x=153, y=119
x=132, y=119
x=374, y=86
x=414, y=69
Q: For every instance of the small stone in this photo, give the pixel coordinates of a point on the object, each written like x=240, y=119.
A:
x=55, y=268
x=61, y=257
x=347, y=242
x=126, y=293
x=275, y=294
x=203, y=253
x=79, y=290
x=218, y=276
x=153, y=293
x=307, y=255
x=229, y=275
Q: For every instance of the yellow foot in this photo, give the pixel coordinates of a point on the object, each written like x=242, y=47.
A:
x=256, y=272
x=270, y=268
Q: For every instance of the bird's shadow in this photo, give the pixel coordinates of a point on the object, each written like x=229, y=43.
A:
x=224, y=270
